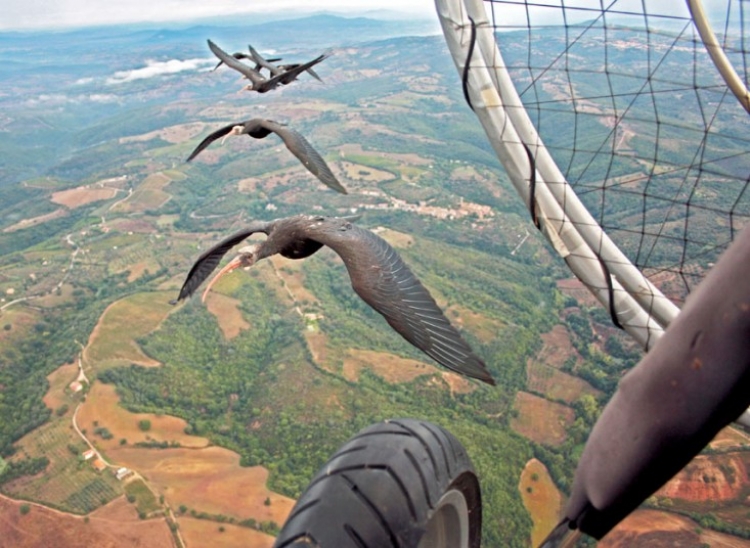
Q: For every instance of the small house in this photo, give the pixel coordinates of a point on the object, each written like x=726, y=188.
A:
x=122, y=473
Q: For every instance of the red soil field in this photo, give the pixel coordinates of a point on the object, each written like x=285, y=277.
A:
x=113, y=526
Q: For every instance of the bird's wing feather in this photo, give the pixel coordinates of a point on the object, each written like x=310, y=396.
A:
x=263, y=62
x=314, y=74
x=310, y=158
x=291, y=74
x=218, y=134
x=254, y=76
x=382, y=279
x=209, y=259
x=283, y=77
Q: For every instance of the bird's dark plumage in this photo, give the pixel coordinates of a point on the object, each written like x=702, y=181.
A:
x=241, y=55
x=259, y=128
x=378, y=275
x=258, y=82
x=274, y=70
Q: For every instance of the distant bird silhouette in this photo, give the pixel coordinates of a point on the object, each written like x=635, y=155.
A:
x=241, y=55
x=261, y=62
x=259, y=128
x=258, y=82
x=378, y=275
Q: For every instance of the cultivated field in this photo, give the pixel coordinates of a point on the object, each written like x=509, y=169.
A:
x=136, y=258
x=555, y=384
x=201, y=532
x=82, y=195
x=59, y=380
x=730, y=438
x=541, y=498
x=657, y=529
x=541, y=420
x=317, y=342
x=52, y=300
x=26, y=223
x=227, y=312
x=171, y=134
x=148, y=195
x=365, y=174
x=557, y=348
x=68, y=482
x=458, y=384
x=290, y=271
x=351, y=151
x=483, y=328
x=397, y=239
x=715, y=478
x=575, y=288
x=114, y=526
x=20, y=319
x=207, y=480
x=144, y=499
x=391, y=368
x=114, y=337
x=102, y=407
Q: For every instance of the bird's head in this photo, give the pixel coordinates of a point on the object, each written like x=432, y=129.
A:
x=236, y=130
x=246, y=257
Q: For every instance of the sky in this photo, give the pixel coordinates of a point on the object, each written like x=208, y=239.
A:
x=39, y=14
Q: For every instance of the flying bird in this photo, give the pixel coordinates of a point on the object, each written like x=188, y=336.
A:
x=378, y=275
x=259, y=128
x=274, y=70
x=258, y=82
x=241, y=55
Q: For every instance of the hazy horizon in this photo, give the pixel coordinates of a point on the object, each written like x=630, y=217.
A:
x=40, y=15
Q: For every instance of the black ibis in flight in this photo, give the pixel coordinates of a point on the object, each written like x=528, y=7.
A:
x=258, y=82
x=691, y=384
x=274, y=70
x=241, y=55
x=259, y=128
x=378, y=275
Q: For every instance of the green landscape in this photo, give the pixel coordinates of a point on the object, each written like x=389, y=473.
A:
x=101, y=219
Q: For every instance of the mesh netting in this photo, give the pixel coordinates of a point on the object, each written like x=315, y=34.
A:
x=639, y=120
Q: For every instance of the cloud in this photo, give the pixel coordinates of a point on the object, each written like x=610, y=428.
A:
x=60, y=99
x=102, y=98
x=158, y=68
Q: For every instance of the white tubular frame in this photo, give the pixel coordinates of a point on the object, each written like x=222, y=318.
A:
x=716, y=52
x=636, y=304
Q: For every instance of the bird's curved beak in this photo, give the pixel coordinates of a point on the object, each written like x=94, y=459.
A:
x=237, y=262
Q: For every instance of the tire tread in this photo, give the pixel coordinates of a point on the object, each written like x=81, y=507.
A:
x=380, y=489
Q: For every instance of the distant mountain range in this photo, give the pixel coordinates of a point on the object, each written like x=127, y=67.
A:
x=319, y=30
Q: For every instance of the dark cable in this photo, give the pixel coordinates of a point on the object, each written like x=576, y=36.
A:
x=532, y=187
x=465, y=77
x=611, y=291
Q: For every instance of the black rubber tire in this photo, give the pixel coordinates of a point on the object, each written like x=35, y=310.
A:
x=386, y=488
